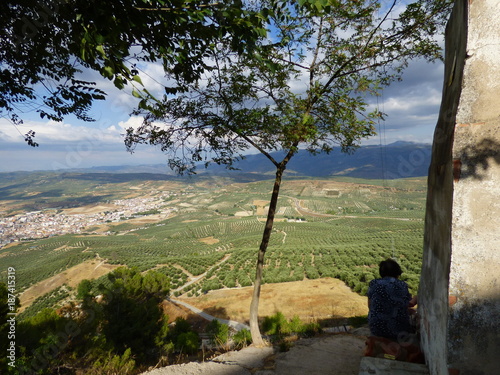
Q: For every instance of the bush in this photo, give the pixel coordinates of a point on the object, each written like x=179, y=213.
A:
x=276, y=324
x=219, y=332
x=181, y=325
x=114, y=364
x=296, y=325
x=187, y=342
x=311, y=329
x=242, y=338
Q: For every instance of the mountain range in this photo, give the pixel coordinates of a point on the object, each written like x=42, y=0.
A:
x=396, y=160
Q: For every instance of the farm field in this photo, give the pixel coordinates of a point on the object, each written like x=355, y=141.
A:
x=325, y=229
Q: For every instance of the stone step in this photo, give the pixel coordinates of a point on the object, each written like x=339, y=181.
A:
x=381, y=366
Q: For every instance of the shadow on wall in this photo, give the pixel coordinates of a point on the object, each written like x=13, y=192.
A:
x=473, y=336
x=474, y=161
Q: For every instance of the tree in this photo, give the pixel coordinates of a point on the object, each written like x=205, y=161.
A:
x=44, y=45
x=84, y=289
x=125, y=328
x=306, y=86
x=132, y=313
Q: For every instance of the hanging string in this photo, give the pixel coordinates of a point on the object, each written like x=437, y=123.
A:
x=382, y=139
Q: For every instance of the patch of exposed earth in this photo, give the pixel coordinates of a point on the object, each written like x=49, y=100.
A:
x=335, y=354
x=91, y=269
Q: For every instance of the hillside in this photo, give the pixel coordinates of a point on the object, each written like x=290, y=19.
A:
x=200, y=235
x=339, y=228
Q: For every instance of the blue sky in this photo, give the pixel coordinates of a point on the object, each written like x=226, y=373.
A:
x=412, y=106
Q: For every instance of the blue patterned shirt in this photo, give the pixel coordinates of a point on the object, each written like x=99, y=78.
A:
x=388, y=315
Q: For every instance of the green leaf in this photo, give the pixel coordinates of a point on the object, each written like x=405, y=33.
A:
x=136, y=94
x=108, y=72
x=100, y=49
x=119, y=83
x=137, y=79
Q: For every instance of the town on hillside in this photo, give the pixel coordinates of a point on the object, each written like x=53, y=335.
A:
x=51, y=222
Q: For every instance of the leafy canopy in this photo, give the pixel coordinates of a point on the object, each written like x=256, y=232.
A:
x=306, y=85
x=45, y=45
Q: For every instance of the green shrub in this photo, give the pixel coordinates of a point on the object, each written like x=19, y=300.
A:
x=84, y=289
x=114, y=364
x=276, y=324
x=311, y=329
x=219, y=332
x=242, y=338
x=187, y=342
x=296, y=325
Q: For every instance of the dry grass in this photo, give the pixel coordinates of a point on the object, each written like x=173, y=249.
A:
x=311, y=300
x=72, y=276
x=90, y=209
x=209, y=240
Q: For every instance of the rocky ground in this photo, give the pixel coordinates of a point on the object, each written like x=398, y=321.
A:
x=329, y=353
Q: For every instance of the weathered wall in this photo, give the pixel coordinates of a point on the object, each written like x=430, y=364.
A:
x=474, y=321
x=433, y=290
x=462, y=236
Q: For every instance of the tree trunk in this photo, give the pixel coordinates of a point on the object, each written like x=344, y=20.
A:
x=254, y=306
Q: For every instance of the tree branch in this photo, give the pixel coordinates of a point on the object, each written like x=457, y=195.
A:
x=353, y=57
x=201, y=6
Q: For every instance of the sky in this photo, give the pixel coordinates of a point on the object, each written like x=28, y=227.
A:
x=411, y=105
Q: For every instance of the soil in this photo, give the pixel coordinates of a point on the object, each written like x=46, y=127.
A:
x=90, y=209
x=209, y=240
x=335, y=354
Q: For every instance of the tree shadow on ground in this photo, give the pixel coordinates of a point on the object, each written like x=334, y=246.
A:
x=218, y=312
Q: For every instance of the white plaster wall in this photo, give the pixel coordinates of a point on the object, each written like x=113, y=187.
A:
x=473, y=329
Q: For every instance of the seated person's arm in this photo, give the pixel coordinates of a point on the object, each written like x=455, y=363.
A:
x=413, y=301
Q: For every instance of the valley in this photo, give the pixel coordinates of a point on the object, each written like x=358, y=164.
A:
x=203, y=233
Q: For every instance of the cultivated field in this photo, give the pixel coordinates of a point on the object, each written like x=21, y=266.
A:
x=325, y=230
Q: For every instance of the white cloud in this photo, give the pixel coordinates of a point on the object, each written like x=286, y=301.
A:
x=412, y=107
x=132, y=122
x=58, y=132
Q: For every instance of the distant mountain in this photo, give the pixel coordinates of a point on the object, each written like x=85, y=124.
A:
x=396, y=160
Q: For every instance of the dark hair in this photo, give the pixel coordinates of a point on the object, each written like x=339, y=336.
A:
x=389, y=268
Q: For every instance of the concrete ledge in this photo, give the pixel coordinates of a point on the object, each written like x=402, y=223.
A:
x=380, y=366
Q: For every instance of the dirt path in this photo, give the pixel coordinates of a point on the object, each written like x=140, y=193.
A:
x=194, y=279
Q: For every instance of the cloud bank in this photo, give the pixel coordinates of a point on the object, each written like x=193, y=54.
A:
x=412, y=108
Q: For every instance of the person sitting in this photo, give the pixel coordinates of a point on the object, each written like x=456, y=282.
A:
x=389, y=301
